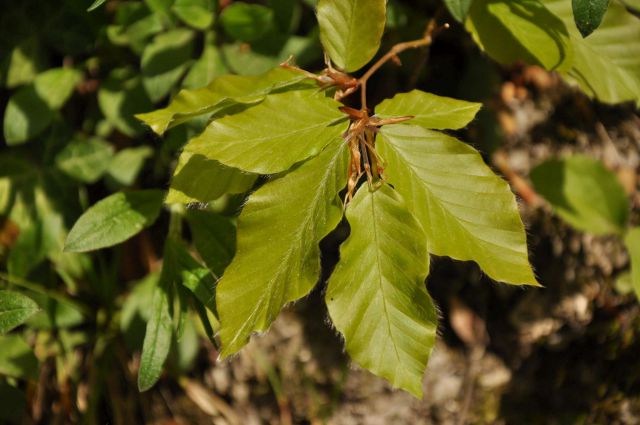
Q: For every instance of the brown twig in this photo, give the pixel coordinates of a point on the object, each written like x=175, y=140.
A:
x=393, y=53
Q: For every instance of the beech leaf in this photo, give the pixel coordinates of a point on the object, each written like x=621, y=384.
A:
x=467, y=212
x=377, y=297
x=278, y=258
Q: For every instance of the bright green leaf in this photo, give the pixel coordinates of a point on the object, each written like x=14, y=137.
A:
x=17, y=359
x=114, y=219
x=157, y=338
x=246, y=22
x=55, y=86
x=195, y=13
x=429, y=110
x=278, y=257
x=632, y=241
x=583, y=193
x=85, y=160
x=24, y=63
x=458, y=8
x=468, y=212
x=351, y=30
x=588, y=14
x=377, y=297
x=214, y=236
x=223, y=92
x=284, y=129
x=511, y=31
x=198, y=179
x=15, y=309
x=126, y=164
x=164, y=61
x=607, y=64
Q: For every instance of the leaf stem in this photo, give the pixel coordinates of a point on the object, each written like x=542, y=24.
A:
x=393, y=53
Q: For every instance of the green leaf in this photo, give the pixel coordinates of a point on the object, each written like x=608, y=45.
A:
x=583, y=193
x=85, y=160
x=351, y=30
x=192, y=275
x=195, y=13
x=126, y=164
x=114, y=219
x=467, y=212
x=632, y=242
x=30, y=109
x=377, y=297
x=214, y=236
x=604, y=66
x=511, y=31
x=278, y=257
x=246, y=22
x=15, y=309
x=17, y=359
x=25, y=62
x=157, y=338
x=119, y=99
x=204, y=70
x=284, y=129
x=458, y=8
x=193, y=177
x=429, y=110
x=588, y=14
x=164, y=61
x=222, y=93
x=96, y=4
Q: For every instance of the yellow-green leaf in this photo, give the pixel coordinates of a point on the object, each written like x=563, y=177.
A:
x=269, y=138
x=198, y=179
x=15, y=309
x=429, y=110
x=377, y=297
x=350, y=30
x=222, y=93
x=468, y=212
x=278, y=257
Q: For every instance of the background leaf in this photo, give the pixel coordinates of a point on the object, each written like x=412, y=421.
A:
x=467, y=212
x=114, y=219
x=632, y=242
x=157, y=339
x=376, y=295
x=165, y=60
x=85, y=160
x=350, y=30
x=246, y=22
x=278, y=257
x=31, y=109
x=214, y=237
x=284, y=129
x=195, y=13
x=588, y=14
x=511, y=31
x=602, y=66
x=17, y=359
x=584, y=193
x=15, y=309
